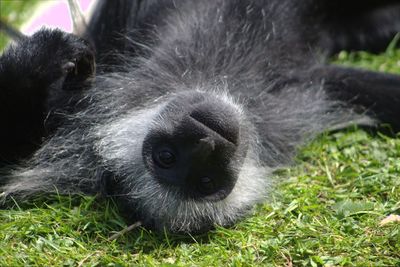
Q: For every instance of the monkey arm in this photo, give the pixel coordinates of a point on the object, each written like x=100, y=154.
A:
x=31, y=74
x=377, y=94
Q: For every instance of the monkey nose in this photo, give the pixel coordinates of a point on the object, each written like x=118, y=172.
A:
x=219, y=120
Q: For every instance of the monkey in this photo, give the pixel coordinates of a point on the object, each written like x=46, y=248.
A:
x=181, y=110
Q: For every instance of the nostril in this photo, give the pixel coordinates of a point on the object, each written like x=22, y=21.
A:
x=164, y=157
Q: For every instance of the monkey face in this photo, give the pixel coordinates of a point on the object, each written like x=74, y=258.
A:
x=195, y=146
x=186, y=164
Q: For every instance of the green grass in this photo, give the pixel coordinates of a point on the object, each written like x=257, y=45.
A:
x=15, y=12
x=325, y=212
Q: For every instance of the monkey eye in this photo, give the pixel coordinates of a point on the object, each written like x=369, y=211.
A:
x=164, y=157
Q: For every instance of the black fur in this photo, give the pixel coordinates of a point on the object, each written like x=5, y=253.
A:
x=194, y=103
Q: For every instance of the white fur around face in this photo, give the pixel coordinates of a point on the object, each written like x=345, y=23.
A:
x=120, y=146
x=122, y=140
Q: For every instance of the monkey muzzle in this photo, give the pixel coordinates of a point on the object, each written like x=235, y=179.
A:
x=195, y=145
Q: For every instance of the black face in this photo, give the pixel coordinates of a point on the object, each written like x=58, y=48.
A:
x=196, y=147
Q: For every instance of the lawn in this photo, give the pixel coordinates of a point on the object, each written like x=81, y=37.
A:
x=326, y=210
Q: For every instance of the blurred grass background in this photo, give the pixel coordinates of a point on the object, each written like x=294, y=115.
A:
x=15, y=13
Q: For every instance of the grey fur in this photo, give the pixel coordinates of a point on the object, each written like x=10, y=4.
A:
x=198, y=49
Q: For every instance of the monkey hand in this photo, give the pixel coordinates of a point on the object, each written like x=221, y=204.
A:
x=50, y=56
